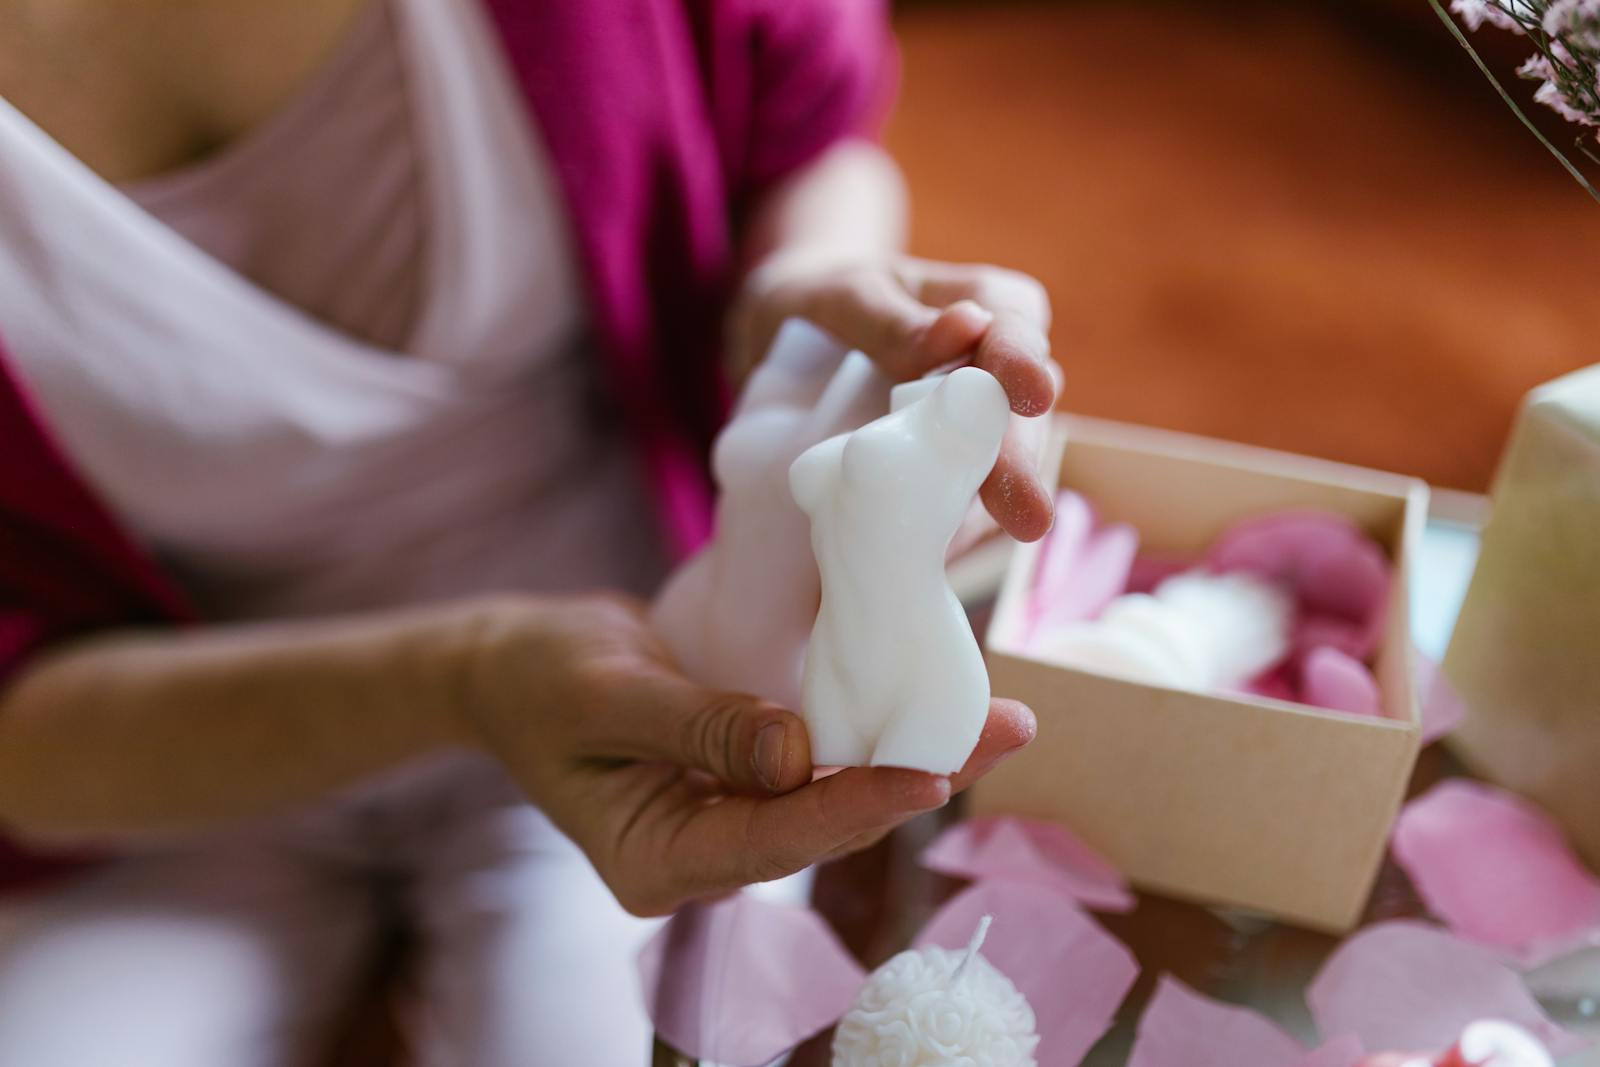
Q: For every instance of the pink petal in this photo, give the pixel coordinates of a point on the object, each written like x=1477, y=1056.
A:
x=1062, y=545
x=1497, y=870
x=1081, y=569
x=742, y=981
x=1181, y=1028
x=1330, y=679
x=1073, y=973
x=1440, y=704
x=1409, y=985
x=1358, y=640
x=1046, y=853
x=1333, y=566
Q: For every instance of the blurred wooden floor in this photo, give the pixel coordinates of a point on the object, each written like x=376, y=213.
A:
x=1277, y=223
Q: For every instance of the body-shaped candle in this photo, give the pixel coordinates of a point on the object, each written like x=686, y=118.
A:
x=893, y=674
x=737, y=616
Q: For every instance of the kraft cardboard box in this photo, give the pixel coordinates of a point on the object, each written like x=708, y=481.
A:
x=1252, y=803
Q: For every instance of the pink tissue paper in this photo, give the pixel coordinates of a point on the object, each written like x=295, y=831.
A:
x=742, y=981
x=1030, y=850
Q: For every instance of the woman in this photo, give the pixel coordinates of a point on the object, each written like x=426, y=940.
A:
x=361, y=339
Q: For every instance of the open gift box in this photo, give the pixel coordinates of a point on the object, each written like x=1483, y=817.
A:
x=1226, y=799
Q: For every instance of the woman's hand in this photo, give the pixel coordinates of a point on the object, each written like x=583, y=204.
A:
x=674, y=791
x=912, y=316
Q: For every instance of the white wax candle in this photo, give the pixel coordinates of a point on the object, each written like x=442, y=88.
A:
x=1196, y=631
x=893, y=674
x=738, y=615
x=932, y=1007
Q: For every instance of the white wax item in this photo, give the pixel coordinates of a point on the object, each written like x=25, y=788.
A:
x=933, y=1007
x=1198, y=630
x=738, y=615
x=893, y=674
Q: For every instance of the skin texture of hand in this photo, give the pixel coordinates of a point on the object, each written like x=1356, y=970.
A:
x=913, y=316
x=674, y=791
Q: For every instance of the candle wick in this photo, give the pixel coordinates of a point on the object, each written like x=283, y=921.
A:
x=972, y=947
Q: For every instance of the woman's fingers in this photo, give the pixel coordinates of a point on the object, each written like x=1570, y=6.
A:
x=868, y=309
x=1011, y=726
x=1016, y=346
x=741, y=840
x=716, y=846
x=750, y=744
x=1014, y=493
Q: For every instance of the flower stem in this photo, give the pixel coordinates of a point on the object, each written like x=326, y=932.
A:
x=1461, y=39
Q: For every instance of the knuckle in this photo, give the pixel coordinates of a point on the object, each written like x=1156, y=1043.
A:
x=715, y=734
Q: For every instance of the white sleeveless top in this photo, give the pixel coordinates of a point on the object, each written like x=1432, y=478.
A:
x=293, y=445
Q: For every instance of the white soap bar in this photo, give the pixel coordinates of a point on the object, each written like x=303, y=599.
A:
x=893, y=674
x=1197, y=631
x=738, y=615
x=933, y=1007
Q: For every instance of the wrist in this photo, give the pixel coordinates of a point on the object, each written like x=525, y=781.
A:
x=458, y=650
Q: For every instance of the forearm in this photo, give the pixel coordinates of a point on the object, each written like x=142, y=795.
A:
x=159, y=732
x=848, y=204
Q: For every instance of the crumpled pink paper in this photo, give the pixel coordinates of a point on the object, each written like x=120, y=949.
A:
x=742, y=981
x=1082, y=566
x=1497, y=871
x=1072, y=972
x=1339, y=575
x=1029, y=850
x=1408, y=985
x=1338, y=681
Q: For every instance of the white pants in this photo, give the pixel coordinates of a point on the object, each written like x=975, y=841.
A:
x=244, y=950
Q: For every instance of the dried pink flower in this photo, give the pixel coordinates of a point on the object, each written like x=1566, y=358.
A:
x=1498, y=13
x=1576, y=22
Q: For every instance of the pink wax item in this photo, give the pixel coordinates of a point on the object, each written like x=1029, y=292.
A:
x=742, y=981
x=1029, y=850
x=1498, y=871
x=1410, y=985
x=1072, y=972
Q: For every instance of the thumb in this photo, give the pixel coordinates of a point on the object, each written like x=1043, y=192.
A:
x=746, y=742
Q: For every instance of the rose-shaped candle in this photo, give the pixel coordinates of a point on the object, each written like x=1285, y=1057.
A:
x=933, y=1007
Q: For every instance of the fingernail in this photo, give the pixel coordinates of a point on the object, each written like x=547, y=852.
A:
x=770, y=743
